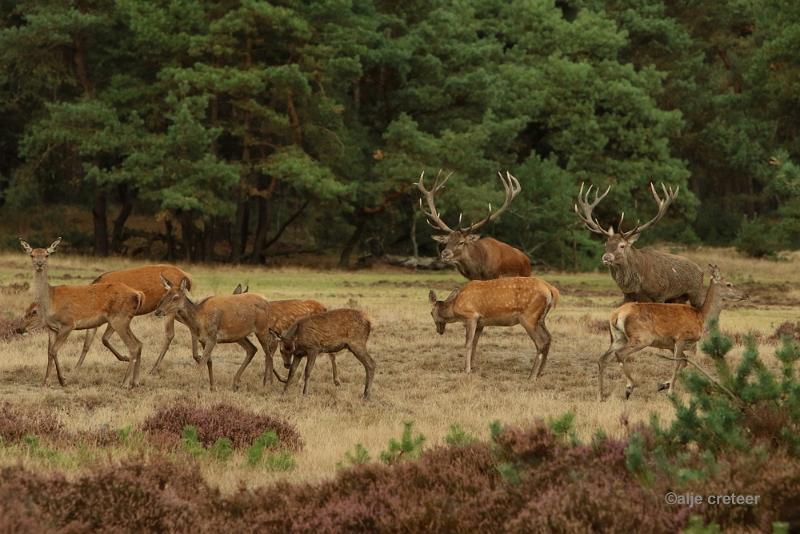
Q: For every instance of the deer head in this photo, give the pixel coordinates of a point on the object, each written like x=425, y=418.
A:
x=174, y=299
x=456, y=241
x=287, y=347
x=619, y=244
x=32, y=319
x=39, y=255
x=727, y=291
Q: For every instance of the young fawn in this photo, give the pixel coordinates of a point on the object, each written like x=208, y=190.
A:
x=283, y=314
x=326, y=332
x=220, y=319
x=500, y=302
x=676, y=327
x=62, y=309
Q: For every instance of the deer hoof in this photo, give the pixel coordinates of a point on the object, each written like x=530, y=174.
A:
x=337, y=383
x=663, y=386
x=628, y=391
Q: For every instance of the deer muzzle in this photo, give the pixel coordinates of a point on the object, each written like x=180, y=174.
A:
x=447, y=255
x=608, y=258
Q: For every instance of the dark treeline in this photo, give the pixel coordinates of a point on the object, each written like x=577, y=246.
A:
x=245, y=128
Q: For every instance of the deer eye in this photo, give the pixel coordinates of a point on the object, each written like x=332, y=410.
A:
x=729, y=284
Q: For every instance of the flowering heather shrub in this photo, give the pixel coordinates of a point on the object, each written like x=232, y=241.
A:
x=165, y=426
x=17, y=422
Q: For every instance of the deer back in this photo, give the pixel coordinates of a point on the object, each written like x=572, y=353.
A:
x=488, y=258
x=331, y=330
x=503, y=296
x=658, y=276
x=82, y=303
x=284, y=313
x=235, y=316
x=658, y=320
x=147, y=279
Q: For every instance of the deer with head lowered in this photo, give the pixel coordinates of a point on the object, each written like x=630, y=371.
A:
x=327, y=332
x=475, y=258
x=62, y=309
x=219, y=319
x=283, y=314
x=514, y=301
x=644, y=275
x=675, y=327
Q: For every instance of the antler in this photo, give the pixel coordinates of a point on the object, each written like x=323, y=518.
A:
x=512, y=189
x=586, y=208
x=663, y=205
x=433, y=214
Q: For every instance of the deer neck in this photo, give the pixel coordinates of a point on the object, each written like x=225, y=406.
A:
x=627, y=275
x=712, y=306
x=191, y=313
x=41, y=290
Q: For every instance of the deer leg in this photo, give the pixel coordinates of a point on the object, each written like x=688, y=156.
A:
x=333, y=366
x=474, y=347
x=311, y=359
x=206, y=359
x=50, y=339
x=268, y=345
x=292, y=370
x=106, y=341
x=87, y=342
x=471, y=327
x=53, y=348
x=541, y=339
x=618, y=341
x=680, y=362
x=169, y=334
x=361, y=353
x=123, y=329
x=250, y=351
x=622, y=357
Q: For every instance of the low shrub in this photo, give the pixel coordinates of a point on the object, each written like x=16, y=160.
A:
x=16, y=423
x=165, y=427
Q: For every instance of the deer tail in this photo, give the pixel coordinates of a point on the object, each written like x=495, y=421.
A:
x=138, y=302
x=555, y=296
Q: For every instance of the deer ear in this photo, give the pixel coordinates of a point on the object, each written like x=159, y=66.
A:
x=238, y=290
x=184, y=284
x=632, y=238
x=167, y=283
x=472, y=237
x=53, y=246
x=715, y=274
x=440, y=238
x=432, y=297
x=25, y=246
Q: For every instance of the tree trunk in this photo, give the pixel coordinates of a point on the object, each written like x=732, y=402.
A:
x=266, y=187
x=352, y=243
x=238, y=236
x=171, y=255
x=126, y=201
x=286, y=224
x=414, y=246
x=99, y=213
x=187, y=235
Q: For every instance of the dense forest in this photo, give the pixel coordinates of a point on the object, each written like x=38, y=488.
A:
x=243, y=129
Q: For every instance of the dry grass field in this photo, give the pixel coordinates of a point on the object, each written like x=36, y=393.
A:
x=419, y=374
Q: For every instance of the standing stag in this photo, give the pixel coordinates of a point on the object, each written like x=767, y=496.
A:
x=644, y=275
x=220, y=319
x=675, y=327
x=329, y=332
x=476, y=258
x=62, y=309
x=283, y=314
x=502, y=302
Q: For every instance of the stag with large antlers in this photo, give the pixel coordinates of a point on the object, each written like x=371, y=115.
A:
x=476, y=258
x=645, y=275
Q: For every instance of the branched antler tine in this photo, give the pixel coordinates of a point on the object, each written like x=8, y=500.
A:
x=512, y=188
x=663, y=205
x=584, y=209
x=432, y=214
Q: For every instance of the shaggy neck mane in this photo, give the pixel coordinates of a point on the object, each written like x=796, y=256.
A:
x=627, y=275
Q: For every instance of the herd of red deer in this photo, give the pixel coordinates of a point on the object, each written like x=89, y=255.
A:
x=664, y=305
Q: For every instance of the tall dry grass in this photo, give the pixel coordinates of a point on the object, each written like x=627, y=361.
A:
x=419, y=374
